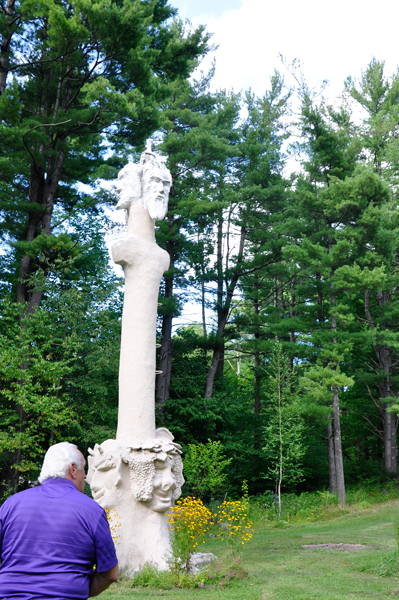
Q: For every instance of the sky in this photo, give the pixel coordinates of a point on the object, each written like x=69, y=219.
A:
x=331, y=39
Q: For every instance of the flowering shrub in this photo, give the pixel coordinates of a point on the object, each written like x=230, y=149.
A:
x=189, y=521
x=235, y=526
x=114, y=523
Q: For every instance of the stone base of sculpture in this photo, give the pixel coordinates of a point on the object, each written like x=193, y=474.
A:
x=137, y=485
x=140, y=534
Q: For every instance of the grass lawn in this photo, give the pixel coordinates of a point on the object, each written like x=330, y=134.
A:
x=280, y=568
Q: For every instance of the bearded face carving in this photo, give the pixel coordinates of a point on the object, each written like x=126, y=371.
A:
x=155, y=471
x=147, y=183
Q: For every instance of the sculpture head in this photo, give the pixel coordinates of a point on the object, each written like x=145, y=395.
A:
x=129, y=185
x=147, y=183
x=157, y=181
x=156, y=471
x=105, y=472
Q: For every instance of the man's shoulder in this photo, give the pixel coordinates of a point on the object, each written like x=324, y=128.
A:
x=30, y=492
x=15, y=499
x=35, y=494
x=89, y=503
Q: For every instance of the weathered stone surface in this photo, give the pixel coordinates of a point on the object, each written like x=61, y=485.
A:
x=199, y=560
x=138, y=475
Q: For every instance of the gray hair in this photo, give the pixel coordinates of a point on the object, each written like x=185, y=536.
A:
x=57, y=460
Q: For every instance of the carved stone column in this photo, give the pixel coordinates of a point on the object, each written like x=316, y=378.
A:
x=138, y=475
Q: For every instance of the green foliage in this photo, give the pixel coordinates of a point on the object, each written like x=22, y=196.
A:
x=220, y=572
x=35, y=356
x=284, y=445
x=204, y=467
x=320, y=505
x=59, y=365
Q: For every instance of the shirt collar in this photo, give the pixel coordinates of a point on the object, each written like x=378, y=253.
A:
x=59, y=481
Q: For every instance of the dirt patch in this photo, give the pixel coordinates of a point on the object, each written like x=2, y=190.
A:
x=346, y=547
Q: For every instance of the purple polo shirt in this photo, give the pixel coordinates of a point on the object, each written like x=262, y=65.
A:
x=50, y=538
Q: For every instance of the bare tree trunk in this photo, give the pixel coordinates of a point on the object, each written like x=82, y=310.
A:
x=280, y=431
x=165, y=361
x=331, y=457
x=220, y=282
x=257, y=375
x=42, y=190
x=212, y=372
x=390, y=422
x=390, y=446
x=204, y=332
x=10, y=24
x=339, y=463
x=223, y=308
x=384, y=358
x=257, y=401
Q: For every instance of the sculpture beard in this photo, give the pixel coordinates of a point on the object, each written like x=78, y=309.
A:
x=156, y=478
x=156, y=472
x=147, y=183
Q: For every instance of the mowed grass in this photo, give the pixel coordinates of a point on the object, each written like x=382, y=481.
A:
x=279, y=568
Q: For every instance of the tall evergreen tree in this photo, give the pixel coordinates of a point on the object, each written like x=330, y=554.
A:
x=196, y=127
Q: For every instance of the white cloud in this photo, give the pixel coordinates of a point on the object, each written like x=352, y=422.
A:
x=332, y=40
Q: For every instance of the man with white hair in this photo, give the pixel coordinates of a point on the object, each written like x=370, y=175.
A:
x=52, y=535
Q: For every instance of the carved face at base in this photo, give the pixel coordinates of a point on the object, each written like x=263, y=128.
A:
x=104, y=474
x=164, y=483
x=155, y=471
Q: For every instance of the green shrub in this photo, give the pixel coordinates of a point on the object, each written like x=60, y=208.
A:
x=221, y=573
x=312, y=506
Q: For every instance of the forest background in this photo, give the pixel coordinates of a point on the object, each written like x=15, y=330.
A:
x=292, y=369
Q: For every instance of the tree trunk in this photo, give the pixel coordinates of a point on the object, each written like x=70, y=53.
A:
x=339, y=463
x=390, y=422
x=390, y=447
x=219, y=307
x=331, y=458
x=217, y=353
x=257, y=401
x=384, y=358
x=280, y=432
x=7, y=33
x=42, y=191
x=223, y=308
x=203, y=315
x=165, y=361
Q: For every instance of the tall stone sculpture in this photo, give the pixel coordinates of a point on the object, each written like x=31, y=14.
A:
x=138, y=475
